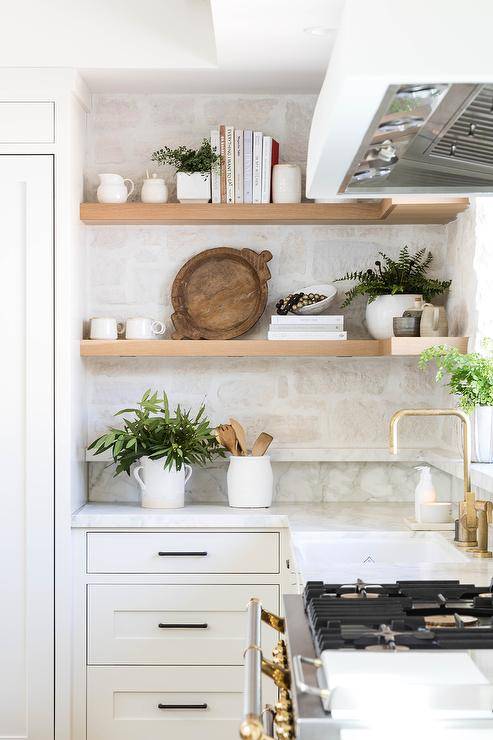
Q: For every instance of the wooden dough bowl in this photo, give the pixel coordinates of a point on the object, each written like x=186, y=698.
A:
x=220, y=293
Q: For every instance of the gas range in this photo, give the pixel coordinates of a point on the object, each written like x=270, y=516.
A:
x=406, y=615
x=341, y=643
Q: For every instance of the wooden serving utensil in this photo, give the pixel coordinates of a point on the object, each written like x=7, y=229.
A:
x=261, y=444
x=240, y=436
x=227, y=438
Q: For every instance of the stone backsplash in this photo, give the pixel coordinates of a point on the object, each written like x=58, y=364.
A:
x=305, y=402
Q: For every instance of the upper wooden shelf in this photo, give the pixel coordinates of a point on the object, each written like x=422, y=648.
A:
x=395, y=346
x=398, y=210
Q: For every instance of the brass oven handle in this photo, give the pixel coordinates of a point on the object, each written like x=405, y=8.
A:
x=182, y=554
x=182, y=706
x=299, y=677
x=252, y=727
x=173, y=626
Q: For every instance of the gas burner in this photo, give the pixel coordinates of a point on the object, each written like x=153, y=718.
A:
x=360, y=590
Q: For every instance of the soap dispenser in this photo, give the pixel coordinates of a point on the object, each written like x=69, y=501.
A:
x=425, y=491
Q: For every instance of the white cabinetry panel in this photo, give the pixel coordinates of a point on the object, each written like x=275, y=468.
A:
x=27, y=122
x=26, y=441
x=123, y=703
x=169, y=624
x=187, y=552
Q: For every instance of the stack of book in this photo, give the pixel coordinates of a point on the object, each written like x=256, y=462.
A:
x=245, y=172
x=317, y=327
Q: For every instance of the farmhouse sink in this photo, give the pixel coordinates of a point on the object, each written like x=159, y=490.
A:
x=350, y=555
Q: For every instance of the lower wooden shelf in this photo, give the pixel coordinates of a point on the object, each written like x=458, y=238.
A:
x=394, y=346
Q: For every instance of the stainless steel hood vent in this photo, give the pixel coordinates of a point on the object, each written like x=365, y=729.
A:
x=427, y=138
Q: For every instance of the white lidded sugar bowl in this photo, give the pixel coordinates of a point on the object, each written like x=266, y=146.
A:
x=154, y=190
x=113, y=189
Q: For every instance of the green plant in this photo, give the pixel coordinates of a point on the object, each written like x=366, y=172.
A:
x=471, y=375
x=407, y=274
x=156, y=433
x=188, y=160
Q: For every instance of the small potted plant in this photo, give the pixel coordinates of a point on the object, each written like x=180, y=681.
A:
x=164, y=445
x=471, y=379
x=392, y=286
x=193, y=170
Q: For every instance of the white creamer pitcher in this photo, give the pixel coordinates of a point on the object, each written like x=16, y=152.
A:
x=113, y=189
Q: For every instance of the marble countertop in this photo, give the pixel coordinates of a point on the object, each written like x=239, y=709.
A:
x=298, y=517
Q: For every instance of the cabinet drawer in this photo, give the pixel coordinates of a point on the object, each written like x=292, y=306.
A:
x=183, y=552
x=177, y=625
x=123, y=703
x=27, y=122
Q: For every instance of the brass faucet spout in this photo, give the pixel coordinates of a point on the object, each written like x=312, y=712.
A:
x=467, y=511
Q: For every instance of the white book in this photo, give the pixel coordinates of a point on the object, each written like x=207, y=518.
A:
x=297, y=319
x=266, y=168
x=230, y=165
x=297, y=328
x=216, y=171
x=308, y=335
x=247, y=166
x=257, y=167
x=239, y=165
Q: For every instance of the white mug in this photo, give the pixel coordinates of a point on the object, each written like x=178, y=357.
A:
x=113, y=189
x=105, y=328
x=141, y=327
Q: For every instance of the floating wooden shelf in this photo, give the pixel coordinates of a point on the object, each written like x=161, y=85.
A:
x=395, y=346
x=398, y=210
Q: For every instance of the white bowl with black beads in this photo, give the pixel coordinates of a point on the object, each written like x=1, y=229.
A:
x=326, y=289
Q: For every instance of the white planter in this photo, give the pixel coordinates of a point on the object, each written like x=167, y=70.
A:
x=286, y=183
x=250, y=482
x=193, y=187
x=482, y=434
x=381, y=311
x=162, y=489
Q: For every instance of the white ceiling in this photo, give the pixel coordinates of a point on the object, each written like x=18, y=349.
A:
x=175, y=45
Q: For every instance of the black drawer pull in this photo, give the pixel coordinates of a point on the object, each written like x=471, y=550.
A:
x=171, y=626
x=182, y=706
x=182, y=554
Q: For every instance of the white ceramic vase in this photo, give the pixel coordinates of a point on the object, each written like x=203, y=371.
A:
x=286, y=183
x=380, y=313
x=482, y=434
x=193, y=187
x=160, y=488
x=250, y=482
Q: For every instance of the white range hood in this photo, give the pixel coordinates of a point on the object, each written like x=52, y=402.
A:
x=407, y=102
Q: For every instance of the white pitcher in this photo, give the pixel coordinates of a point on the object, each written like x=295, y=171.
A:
x=113, y=189
x=162, y=489
x=433, y=321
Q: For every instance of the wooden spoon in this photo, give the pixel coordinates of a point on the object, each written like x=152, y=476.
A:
x=240, y=436
x=227, y=438
x=261, y=444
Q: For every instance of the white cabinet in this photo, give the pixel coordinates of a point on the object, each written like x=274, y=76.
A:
x=160, y=628
x=190, y=552
x=26, y=442
x=27, y=122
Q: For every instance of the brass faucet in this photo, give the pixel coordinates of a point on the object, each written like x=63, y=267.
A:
x=468, y=520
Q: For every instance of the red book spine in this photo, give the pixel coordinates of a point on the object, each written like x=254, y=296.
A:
x=274, y=160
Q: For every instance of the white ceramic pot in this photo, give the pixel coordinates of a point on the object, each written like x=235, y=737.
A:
x=113, y=189
x=380, y=313
x=482, y=434
x=286, y=183
x=194, y=187
x=250, y=482
x=154, y=190
x=160, y=488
